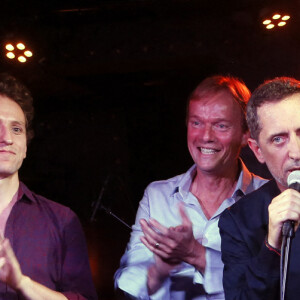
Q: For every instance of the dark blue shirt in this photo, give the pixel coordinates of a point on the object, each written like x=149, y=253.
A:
x=251, y=269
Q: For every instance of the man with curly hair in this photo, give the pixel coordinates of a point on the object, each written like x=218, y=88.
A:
x=43, y=253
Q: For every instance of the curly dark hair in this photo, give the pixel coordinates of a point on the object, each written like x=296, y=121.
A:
x=218, y=83
x=273, y=90
x=16, y=91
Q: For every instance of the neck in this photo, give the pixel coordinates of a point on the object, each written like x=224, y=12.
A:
x=8, y=188
x=212, y=189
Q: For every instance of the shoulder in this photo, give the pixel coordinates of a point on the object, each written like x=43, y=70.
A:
x=172, y=184
x=166, y=183
x=253, y=207
x=260, y=197
x=48, y=207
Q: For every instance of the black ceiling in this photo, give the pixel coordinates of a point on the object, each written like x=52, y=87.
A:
x=110, y=78
x=80, y=46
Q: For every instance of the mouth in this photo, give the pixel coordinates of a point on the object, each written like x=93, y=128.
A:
x=207, y=150
x=6, y=151
x=294, y=169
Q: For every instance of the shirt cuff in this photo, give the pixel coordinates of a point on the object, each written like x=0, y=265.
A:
x=163, y=292
x=212, y=279
x=268, y=262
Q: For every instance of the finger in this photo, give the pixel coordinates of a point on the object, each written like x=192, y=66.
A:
x=150, y=234
x=296, y=226
x=149, y=226
x=179, y=228
x=2, y=262
x=157, y=249
x=149, y=230
x=159, y=228
x=8, y=251
x=184, y=217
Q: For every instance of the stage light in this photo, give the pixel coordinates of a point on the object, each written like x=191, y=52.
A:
x=10, y=55
x=285, y=18
x=20, y=46
x=28, y=53
x=266, y=22
x=282, y=23
x=277, y=20
x=22, y=59
x=18, y=50
x=9, y=47
x=276, y=17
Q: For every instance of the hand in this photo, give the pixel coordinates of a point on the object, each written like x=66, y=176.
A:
x=157, y=273
x=10, y=271
x=175, y=244
x=285, y=206
x=11, y=274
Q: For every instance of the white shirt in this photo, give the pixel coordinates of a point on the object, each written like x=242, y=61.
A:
x=160, y=202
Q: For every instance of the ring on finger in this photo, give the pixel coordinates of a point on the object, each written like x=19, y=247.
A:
x=156, y=245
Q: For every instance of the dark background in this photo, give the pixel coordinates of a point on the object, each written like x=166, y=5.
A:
x=110, y=80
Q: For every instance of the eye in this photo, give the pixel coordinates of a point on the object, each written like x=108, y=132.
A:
x=195, y=123
x=277, y=140
x=17, y=129
x=222, y=126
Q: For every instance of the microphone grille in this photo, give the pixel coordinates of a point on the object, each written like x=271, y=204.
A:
x=293, y=177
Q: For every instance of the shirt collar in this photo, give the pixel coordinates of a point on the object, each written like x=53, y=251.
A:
x=24, y=191
x=243, y=182
x=184, y=183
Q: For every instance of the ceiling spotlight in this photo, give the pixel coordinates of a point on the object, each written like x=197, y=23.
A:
x=22, y=59
x=9, y=47
x=19, y=51
x=277, y=20
x=276, y=17
x=285, y=18
x=270, y=26
x=20, y=46
x=10, y=55
x=266, y=22
x=28, y=53
x=282, y=23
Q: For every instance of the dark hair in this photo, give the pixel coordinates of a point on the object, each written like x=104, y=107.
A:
x=16, y=91
x=218, y=83
x=273, y=90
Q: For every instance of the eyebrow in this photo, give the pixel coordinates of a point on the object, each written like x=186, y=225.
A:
x=283, y=133
x=197, y=117
x=15, y=122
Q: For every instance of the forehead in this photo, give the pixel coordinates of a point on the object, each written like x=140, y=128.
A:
x=10, y=110
x=281, y=115
x=221, y=102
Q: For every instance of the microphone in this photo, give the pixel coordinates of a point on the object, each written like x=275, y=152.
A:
x=293, y=182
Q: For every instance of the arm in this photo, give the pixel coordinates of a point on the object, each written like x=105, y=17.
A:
x=76, y=279
x=251, y=270
x=176, y=245
x=137, y=260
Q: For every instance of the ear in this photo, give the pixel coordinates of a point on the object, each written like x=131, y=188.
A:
x=253, y=144
x=245, y=137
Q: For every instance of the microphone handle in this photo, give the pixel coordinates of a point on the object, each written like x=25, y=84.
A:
x=288, y=228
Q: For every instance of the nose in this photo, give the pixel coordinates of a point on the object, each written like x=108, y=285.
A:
x=208, y=135
x=294, y=147
x=5, y=135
